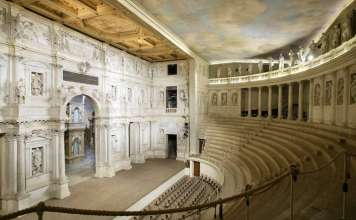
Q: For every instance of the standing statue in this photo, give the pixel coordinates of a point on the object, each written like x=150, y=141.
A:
x=250, y=68
x=335, y=36
x=346, y=30
x=21, y=91
x=353, y=89
x=324, y=43
x=313, y=48
x=270, y=67
x=239, y=69
x=260, y=66
x=229, y=72
x=281, y=61
x=214, y=99
x=36, y=84
x=218, y=73
x=301, y=55
x=292, y=57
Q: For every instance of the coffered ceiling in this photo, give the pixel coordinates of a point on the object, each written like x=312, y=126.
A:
x=114, y=25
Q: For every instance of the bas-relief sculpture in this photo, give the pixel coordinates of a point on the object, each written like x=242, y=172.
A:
x=36, y=84
x=328, y=92
x=353, y=89
x=340, y=91
x=37, y=160
x=317, y=94
x=223, y=98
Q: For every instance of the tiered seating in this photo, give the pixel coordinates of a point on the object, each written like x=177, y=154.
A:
x=255, y=151
x=188, y=191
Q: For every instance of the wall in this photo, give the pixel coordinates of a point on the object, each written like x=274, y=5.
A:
x=34, y=53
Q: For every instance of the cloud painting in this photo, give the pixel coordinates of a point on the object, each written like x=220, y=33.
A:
x=237, y=29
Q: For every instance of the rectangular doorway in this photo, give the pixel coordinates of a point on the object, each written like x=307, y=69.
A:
x=172, y=146
x=196, y=168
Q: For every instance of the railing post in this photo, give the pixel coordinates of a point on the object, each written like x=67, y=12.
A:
x=294, y=176
x=221, y=214
x=247, y=198
x=40, y=210
x=345, y=185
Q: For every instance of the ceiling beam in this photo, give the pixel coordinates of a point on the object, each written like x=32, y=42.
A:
x=57, y=6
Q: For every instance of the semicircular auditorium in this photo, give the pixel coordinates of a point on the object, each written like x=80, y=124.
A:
x=177, y=110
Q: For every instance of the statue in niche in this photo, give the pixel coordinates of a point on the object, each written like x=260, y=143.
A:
x=335, y=36
x=340, y=91
x=114, y=143
x=292, y=57
x=346, y=30
x=37, y=160
x=214, y=99
x=324, y=43
x=270, y=66
x=250, y=68
x=76, y=147
x=328, y=92
x=317, y=94
x=353, y=89
x=129, y=94
x=281, y=62
x=162, y=139
x=229, y=72
x=161, y=97
x=2, y=16
x=36, y=84
x=218, y=73
x=234, y=98
x=21, y=91
x=260, y=66
x=224, y=98
x=301, y=55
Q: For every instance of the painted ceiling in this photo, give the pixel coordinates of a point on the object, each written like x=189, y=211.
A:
x=239, y=29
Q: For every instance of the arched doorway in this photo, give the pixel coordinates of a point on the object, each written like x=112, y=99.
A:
x=79, y=139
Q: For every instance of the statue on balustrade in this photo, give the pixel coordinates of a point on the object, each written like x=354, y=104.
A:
x=260, y=66
x=239, y=69
x=340, y=91
x=301, y=55
x=224, y=98
x=317, y=94
x=270, y=67
x=335, y=36
x=292, y=58
x=314, y=49
x=250, y=68
x=328, y=92
x=353, y=89
x=229, y=72
x=346, y=30
x=214, y=99
x=218, y=73
x=281, y=62
x=324, y=43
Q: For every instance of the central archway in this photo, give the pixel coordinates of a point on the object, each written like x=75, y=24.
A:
x=79, y=139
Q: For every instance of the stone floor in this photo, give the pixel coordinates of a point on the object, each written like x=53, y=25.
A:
x=117, y=193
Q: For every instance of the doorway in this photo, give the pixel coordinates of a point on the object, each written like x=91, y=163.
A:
x=79, y=139
x=172, y=146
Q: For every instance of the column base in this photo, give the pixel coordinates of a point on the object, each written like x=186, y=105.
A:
x=104, y=171
x=60, y=190
x=15, y=203
x=138, y=158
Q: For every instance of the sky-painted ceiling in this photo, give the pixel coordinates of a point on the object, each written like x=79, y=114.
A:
x=239, y=29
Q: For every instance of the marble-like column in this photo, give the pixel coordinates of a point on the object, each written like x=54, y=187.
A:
x=127, y=135
x=270, y=102
x=239, y=107
x=280, y=101
x=260, y=102
x=21, y=166
x=109, y=167
x=322, y=98
x=333, y=99
x=346, y=96
x=55, y=162
x=311, y=91
x=62, y=162
x=290, y=101
x=300, y=101
x=11, y=166
x=249, y=95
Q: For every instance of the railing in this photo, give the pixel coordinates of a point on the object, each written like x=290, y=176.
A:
x=171, y=110
x=332, y=54
x=293, y=174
